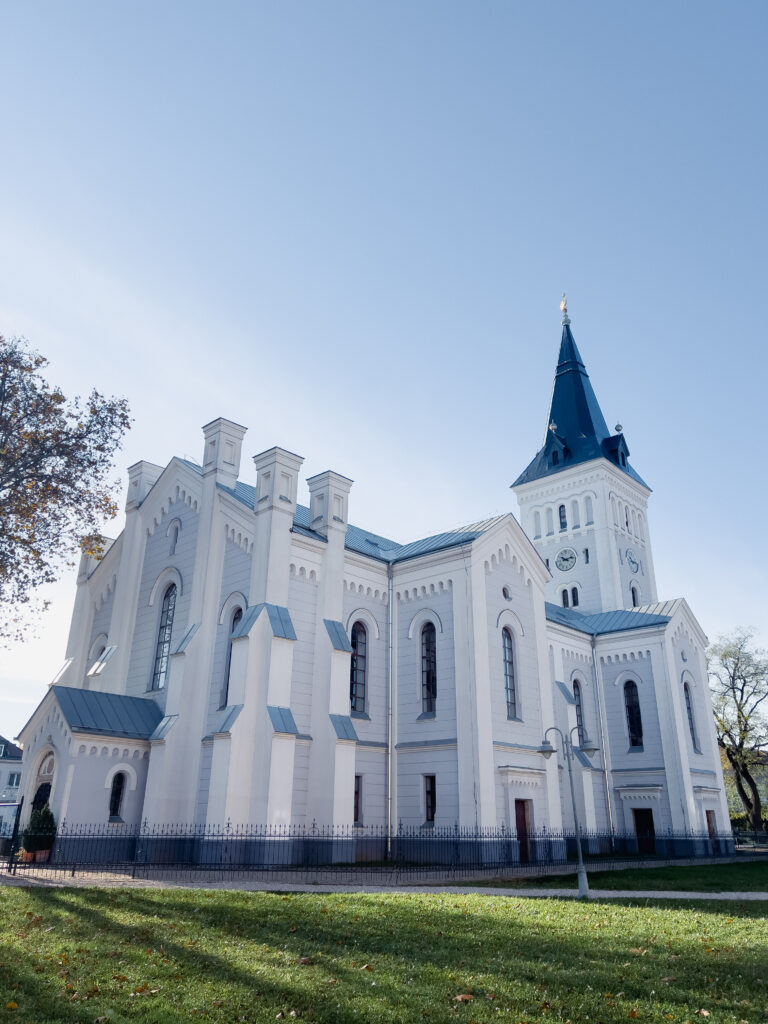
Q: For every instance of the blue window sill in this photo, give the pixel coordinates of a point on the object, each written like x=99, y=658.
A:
x=514, y=718
x=426, y=714
x=635, y=750
x=361, y=715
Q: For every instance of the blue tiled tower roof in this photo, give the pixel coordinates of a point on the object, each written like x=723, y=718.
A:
x=576, y=428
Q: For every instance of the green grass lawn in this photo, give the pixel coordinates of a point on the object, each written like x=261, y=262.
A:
x=751, y=876
x=90, y=955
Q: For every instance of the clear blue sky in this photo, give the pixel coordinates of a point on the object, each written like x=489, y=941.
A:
x=348, y=226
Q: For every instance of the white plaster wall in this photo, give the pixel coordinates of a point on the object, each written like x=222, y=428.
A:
x=370, y=762
x=413, y=765
x=157, y=558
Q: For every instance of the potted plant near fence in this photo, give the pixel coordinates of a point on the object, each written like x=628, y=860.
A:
x=40, y=833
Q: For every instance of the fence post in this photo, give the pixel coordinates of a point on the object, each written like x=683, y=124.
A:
x=15, y=839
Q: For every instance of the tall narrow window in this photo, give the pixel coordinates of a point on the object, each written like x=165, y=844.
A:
x=555, y=458
x=358, y=818
x=635, y=599
x=634, y=719
x=174, y=539
x=586, y=556
x=430, y=797
x=163, y=649
x=537, y=524
x=575, y=514
x=691, y=721
x=236, y=619
x=510, y=689
x=588, y=510
x=575, y=597
x=563, y=518
x=428, y=669
x=358, y=668
x=579, y=711
x=566, y=602
x=116, y=796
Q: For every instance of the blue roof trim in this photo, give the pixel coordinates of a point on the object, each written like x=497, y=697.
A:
x=363, y=541
x=109, y=714
x=164, y=726
x=603, y=622
x=282, y=720
x=343, y=727
x=187, y=637
x=338, y=636
x=576, y=427
x=226, y=719
x=279, y=621
x=565, y=692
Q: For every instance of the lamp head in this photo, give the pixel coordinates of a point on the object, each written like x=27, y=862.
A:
x=588, y=746
x=546, y=748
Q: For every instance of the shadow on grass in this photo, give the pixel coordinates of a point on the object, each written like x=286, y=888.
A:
x=243, y=949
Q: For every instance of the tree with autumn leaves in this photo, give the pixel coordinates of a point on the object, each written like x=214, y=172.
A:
x=55, y=460
x=738, y=676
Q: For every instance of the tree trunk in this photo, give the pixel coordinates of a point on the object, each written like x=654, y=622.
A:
x=751, y=800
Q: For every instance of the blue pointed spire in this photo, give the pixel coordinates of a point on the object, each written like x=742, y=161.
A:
x=576, y=428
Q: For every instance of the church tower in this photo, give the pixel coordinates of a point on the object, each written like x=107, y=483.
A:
x=582, y=504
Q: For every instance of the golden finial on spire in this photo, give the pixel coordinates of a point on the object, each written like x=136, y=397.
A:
x=564, y=310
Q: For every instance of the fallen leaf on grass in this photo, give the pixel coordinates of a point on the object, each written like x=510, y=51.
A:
x=465, y=997
x=366, y=967
x=633, y=1013
x=11, y=1006
x=702, y=1013
x=671, y=977
x=305, y=961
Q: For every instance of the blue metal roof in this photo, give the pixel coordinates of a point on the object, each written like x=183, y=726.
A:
x=109, y=714
x=338, y=635
x=576, y=428
x=282, y=720
x=372, y=544
x=343, y=727
x=279, y=621
x=603, y=622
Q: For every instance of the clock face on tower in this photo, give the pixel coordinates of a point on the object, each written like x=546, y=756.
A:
x=632, y=561
x=566, y=559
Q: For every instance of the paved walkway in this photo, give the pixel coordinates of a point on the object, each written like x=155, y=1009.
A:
x=43, y=879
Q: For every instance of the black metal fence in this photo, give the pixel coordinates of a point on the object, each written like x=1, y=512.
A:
x=364, y=855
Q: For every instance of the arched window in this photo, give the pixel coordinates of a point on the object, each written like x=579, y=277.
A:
x=163, y=649
x=237, y=616
x=574, y=514
x=635, y=598
x=174, y=538
x=634, y=719
x=358, y=667
x=428, y=669
x=510, y=689
x=116, y=796
x=689, y=712
x=555, y=458
x=550, y=521
x=626, y=516
x=565, y=597
x=579, y=711
x=575, y=597
x=537, y=524
x=563, y=518
x=588, y=510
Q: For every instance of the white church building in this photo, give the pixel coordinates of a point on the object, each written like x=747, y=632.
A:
x=237, y=657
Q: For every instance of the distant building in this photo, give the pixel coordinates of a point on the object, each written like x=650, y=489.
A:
x=10, y=781
x=237, y=657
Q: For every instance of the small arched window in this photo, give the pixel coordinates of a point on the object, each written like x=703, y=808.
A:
x=563, y=517
x=626, y=516
x=116, y=796
x=163, y=648
x=575, y=597
x=635, y=598
x=510, y=688
x=575, y=514
x=550, y=521
x=588, y=510
x=358, y=668
x=564, y=595
x=174, y=538
x=691, y=720
x=579, y=711
x=634, y=719
x=555, y=458
x=537, y=524
x=428, y=669
x=237, y=616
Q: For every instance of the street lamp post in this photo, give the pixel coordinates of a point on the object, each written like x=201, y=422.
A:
x=586, y=747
